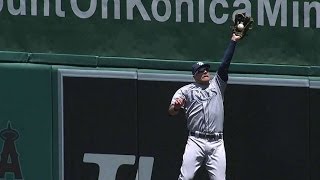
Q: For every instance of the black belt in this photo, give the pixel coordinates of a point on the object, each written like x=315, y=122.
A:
x=207, y=136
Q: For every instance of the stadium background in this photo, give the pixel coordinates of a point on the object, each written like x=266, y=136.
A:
x=271, y=128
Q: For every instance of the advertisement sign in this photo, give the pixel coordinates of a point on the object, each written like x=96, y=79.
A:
x=25, y=122
x=114, y=125
x=99, y=127
x=284, y=31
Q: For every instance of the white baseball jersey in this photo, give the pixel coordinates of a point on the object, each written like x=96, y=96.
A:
x=203, y=105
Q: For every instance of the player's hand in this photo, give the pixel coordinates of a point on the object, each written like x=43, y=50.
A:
x=179, y=103
x=235, y=37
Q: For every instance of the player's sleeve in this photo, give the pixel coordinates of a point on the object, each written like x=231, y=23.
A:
x=220, y=83
x=226, y=60
x=178, y=94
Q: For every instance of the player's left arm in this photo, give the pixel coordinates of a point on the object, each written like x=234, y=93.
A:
x=223, y=69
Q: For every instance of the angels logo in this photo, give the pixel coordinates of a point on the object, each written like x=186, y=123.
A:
x=9, y=162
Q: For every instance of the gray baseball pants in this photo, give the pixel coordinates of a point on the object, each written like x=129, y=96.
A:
x=200, y=151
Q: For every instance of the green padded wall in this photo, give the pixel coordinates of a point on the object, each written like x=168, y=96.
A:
x=285, y=31
x=26, y=104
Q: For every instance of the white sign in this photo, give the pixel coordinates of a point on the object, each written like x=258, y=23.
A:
x=267, y=14
x=109, y=164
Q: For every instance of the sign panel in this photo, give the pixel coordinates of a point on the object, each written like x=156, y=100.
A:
x=264, y=125
x=25, y=122
x=314, y=132
x=115, y=125
x=285, y=31
x=99, y=125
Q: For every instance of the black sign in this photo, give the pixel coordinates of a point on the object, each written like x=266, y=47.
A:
x=100, y=117
x=119, y=129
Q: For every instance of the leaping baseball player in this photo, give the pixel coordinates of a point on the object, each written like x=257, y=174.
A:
x=202, y=102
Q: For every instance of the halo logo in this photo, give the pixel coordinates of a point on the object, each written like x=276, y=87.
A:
x=9, y=157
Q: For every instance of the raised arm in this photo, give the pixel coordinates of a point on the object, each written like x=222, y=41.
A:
x=227, y=57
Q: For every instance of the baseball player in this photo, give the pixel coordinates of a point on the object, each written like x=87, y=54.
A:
x=202, y=102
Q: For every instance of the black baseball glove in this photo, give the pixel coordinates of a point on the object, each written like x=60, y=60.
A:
x=242, y=24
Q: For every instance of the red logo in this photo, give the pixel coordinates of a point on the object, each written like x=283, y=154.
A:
x=9, y=157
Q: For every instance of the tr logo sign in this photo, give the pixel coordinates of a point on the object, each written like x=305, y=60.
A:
x=109, y=164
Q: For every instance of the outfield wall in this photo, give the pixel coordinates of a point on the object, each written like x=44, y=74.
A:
x=74, y=121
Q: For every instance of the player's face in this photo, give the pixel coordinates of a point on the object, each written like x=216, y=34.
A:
x=202, y=76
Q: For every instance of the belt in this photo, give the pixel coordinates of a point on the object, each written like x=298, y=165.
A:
x=215, y=136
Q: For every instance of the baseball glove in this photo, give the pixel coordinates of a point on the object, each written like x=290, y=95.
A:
x=242, y=24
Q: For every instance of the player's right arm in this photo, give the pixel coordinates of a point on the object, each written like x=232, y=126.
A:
x=176, y=106
x=177, y=102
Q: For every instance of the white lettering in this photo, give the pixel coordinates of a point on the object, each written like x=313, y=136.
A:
x=145, y=168
x=1, y=5
x=84, y=14
x=155, y=13
x=34, y=8
x=21, y=10
x=131, y=4
x=116, y=9
x=295, y=14
x=59, y=11
x=246, y=10
x=46, y=7
x=110, y=163
x=272, y=16
x=307, y=9
x=178, y=10
x=201, y=11
x=212, y=12
x=273, y=12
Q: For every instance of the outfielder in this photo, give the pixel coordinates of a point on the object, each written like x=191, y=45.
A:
x=202, y=102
